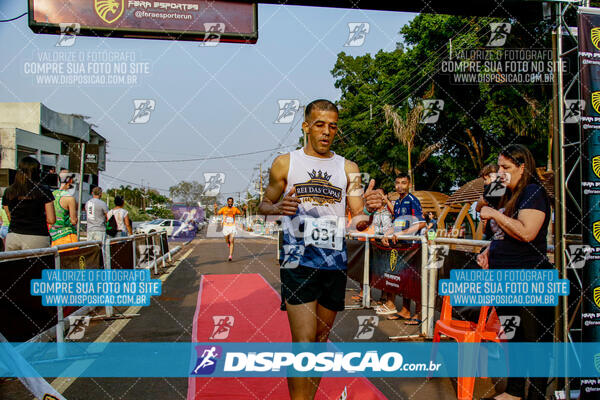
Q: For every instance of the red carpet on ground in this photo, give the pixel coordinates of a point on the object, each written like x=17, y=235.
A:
x=254, y=306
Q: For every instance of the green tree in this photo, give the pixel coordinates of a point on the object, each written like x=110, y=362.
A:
x=476, y=122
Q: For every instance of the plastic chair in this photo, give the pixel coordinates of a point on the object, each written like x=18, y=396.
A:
x=487, y=328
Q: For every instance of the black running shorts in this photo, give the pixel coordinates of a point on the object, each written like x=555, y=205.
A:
x=304, y=284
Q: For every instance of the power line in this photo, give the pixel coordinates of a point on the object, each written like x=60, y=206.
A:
x=12, y=19
x=133, y=183
x=198, y=159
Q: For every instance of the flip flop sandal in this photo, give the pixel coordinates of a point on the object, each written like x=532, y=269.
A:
x=357, y=298
x=413, y=322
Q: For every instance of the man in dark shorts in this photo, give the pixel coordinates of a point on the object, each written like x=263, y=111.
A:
x=316, y=186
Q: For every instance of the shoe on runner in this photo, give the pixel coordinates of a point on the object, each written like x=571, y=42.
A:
x=229, y=258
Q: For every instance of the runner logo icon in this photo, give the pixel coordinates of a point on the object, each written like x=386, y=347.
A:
x=432, y=109
x=287, y=111
x=68, y=34
x=500, y=31
x=366, y=326
x=577, y=254
x=358, y=33
x=212, y=183
x=207, y=359
x=142, y=109
x=223, y=324
x=510, y=323
x=573, y=108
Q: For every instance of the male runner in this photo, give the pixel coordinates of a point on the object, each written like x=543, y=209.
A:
x=315, y=182
x=229, y=212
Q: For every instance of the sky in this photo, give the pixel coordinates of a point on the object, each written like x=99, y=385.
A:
x=207, y=101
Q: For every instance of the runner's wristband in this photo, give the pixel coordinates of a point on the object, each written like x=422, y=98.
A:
x=367, y=211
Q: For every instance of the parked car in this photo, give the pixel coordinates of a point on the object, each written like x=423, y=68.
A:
x=159, y=225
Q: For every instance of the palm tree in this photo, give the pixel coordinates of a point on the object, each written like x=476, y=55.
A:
x=405, y=129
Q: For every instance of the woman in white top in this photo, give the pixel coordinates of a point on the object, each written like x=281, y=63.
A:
x=122, y=217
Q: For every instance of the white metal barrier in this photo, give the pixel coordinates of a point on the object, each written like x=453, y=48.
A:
x=429, y=275
x=104, y=247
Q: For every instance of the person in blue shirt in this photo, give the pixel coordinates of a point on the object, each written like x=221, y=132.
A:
x=408, y=220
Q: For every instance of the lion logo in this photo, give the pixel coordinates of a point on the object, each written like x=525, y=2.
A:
x=109, y=10
x=393, y=259
x=597, y=362
x=596, y=165
x=595, y=34
x=597, y=296
x=81, y=262
x=49, y=397
x=596, y=230
x=596, y=101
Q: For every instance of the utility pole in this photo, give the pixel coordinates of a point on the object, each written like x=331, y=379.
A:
x=260, y=173
x=303, y=133
x=81, y=165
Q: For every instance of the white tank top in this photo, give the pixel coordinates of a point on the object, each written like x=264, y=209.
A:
x=320, y=183
x=309, y=239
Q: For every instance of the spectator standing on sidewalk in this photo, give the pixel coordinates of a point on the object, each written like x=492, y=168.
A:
x=122, y=217
x=96, y=211
x=29, y=208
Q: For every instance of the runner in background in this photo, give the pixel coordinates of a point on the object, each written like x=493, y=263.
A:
x=316, y=188
x=229, y=212
x=64, y=230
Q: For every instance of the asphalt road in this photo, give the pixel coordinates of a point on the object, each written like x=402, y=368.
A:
x=169, y=319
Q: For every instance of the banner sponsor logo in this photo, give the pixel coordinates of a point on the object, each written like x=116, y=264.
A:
x=596, y=165
x=596, y=231
x=597, y=296
x=393, y=259
x=596, y=101
x=597, y=362
x=595, y=36
x=109, y=10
